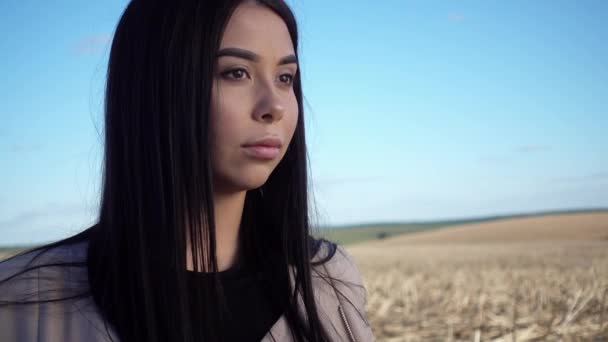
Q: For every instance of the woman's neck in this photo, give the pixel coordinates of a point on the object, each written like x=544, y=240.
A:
x=228, y=210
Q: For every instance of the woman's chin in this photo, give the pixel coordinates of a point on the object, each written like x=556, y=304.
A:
x=254, y=181
x=244, y=182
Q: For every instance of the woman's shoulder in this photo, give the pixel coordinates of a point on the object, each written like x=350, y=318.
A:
x=50, y=252
x=46, y=262
x=335, y=266
x=339, y=282
x=334, y=259
x=73, y=249
x=44, y=296
x=44, y=274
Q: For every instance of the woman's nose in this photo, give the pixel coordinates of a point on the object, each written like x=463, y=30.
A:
x=270, y=106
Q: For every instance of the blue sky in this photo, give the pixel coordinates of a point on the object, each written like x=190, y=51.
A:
x=416, y=110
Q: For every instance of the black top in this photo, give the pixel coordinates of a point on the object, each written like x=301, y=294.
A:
x=251, y=314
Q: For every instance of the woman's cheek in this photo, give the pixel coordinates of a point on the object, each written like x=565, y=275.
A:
x=294, y=115
x=227, y=115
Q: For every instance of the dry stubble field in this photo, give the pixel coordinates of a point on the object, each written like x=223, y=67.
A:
x=527, y=279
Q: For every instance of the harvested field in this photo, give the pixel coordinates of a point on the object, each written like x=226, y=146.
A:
x=577, y=226
x=516, y=280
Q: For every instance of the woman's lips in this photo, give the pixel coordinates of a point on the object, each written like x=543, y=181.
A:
x=262, y=151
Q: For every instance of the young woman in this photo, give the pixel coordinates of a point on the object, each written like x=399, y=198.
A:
x=203, y=231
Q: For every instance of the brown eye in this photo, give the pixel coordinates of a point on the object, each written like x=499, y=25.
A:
x=235, y=73
x=286, y=78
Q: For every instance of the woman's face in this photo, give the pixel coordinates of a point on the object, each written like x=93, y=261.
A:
x=252, y=98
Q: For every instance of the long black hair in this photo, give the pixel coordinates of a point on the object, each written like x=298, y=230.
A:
x=157, y=184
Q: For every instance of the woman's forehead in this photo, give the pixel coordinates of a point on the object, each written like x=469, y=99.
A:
x=257, y=28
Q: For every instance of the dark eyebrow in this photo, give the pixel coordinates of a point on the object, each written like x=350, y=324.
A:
x=252, y=56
